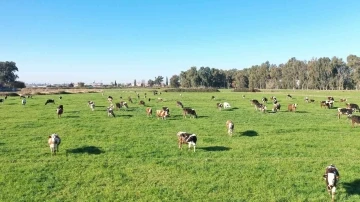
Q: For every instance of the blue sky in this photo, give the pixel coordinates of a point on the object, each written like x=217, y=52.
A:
x=63, y=41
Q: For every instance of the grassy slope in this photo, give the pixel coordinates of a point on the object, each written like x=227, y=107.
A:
x=271, y=157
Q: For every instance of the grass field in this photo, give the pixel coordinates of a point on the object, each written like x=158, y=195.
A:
x=271, y=157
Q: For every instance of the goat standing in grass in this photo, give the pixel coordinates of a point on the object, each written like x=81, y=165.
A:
x=54, y=142
x=230, y=127
x=186, y=138
x=60, y=110
x=110, y=111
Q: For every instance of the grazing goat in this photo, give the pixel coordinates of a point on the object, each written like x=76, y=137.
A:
x=23, y=101
x=162, y=114
x=60, y=110
x=212, y=97
x=60, y=97
x=49, y=101
x=54, y=142
x=354, y=120
x=260, y=107
x=289, y=96
x=352, y=106
x=343, y=100
x=230, y=127
x=186, y=138
x=110, y=99
x=110, y=111
x=91, y=104
x=344, y=111
x=264, y=100
x=148, y=111
x=121, y=104
x=1, y=100
x=276, y=107
x=189, y=111
x=142, y=102
x=226, y=105
x=292, y=107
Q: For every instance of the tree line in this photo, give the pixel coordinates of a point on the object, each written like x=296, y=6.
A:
x=318, y=73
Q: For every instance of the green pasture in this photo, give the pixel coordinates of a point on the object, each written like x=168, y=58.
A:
x=271, y=156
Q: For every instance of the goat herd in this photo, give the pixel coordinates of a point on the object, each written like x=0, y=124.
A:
x=189, y=138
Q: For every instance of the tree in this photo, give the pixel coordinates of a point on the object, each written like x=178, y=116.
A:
x=354, y=64
x=18, y=84
x=151, y=83
x=115, y=84
x=175, y=81
x=166, y=81
x=81, y=84
x=159, y=80
x=134, y=82
x=184, y=80
x=7, y=72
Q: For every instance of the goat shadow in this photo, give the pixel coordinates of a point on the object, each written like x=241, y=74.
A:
x=85, y=149
x=72, y=112
x=1, y=143
x=352, y=188
x=125, y=115
x=71, y=117
x=249, y=133
x=300, y=112
x=215, y=148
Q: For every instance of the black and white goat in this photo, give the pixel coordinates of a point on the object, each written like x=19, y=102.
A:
x=186, y=138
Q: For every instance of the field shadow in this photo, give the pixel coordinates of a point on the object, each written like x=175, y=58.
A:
x=85, y=149
x=352, y=188
x=72, y=112
x=215, y=148
x=301, y=112
x=1, y=143
x=249, y=133
x=203, y=116
x=124, y=115
x=71, y=117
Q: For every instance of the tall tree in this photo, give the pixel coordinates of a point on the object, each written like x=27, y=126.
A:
x=167, y=81
x=159, y=80
x=7, y=72
x=184, y=80
x=175, y=81
x=134, y=82
x=354, y=64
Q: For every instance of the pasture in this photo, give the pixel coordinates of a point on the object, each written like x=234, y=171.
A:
x=270, y=157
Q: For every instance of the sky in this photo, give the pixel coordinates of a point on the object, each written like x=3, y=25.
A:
x=64, y=41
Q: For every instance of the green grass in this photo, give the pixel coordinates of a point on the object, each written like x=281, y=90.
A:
x=271, y=157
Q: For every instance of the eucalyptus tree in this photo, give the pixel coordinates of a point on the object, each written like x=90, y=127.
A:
x=184, y=80
x=205, y=76
x=175, y=81
x=241, y=80
x=342, y=77
x=7, y=72
x=353, y=62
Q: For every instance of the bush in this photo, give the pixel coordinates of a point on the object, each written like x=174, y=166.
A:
x=246, y=90
x=10, y=94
